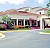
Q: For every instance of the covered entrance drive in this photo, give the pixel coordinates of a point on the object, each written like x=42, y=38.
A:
x=44, y=22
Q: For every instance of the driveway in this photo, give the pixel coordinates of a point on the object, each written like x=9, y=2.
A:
x=30, y=39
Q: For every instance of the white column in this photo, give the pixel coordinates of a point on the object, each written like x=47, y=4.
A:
x=36, y=23
x=21, y=22
x=24, y=22
x=17, y=22
x=41, y=24
x=30, y=23
x=27, y=22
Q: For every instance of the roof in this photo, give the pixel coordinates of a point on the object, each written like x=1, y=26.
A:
x=17, y=12
x=2, y=13
x=14, y=11
x=11, y=11
x=21, y=13
x=43, y=9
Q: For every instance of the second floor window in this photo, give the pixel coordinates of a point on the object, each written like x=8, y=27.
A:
x=40, y=13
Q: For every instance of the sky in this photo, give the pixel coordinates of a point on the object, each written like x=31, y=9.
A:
x=15, y=4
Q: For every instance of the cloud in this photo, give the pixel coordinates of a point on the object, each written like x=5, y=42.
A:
x=16, y=2
x=41, y=1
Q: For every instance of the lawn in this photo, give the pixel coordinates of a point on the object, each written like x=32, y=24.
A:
x=15, y=29
x=46, y=31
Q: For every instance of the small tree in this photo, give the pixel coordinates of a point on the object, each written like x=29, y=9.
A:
x=48, y=12
x=48, y=6
x=7, y=20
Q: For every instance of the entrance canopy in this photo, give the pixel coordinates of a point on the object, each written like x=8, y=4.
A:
x=42, y=21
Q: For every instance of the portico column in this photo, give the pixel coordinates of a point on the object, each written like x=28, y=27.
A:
x=24, y=22
x=17, y=22
x=36, y=23
x=41, y=24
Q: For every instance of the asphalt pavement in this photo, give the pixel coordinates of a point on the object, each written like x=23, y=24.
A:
x=29, y=39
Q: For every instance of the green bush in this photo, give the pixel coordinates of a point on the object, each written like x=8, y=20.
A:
x=3, y=27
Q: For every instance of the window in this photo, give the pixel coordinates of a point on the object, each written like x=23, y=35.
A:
x=40, y=13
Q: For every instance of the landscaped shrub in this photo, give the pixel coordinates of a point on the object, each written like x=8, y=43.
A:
x=3, y=26
x=7, y=20
x=15, y=27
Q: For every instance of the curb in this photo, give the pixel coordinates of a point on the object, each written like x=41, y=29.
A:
x=43, y=33
x=16, y=31
x=19, y=30
x=2, y=35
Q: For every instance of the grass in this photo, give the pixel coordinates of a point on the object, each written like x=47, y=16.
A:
x=16, y=29
x=46, y=31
